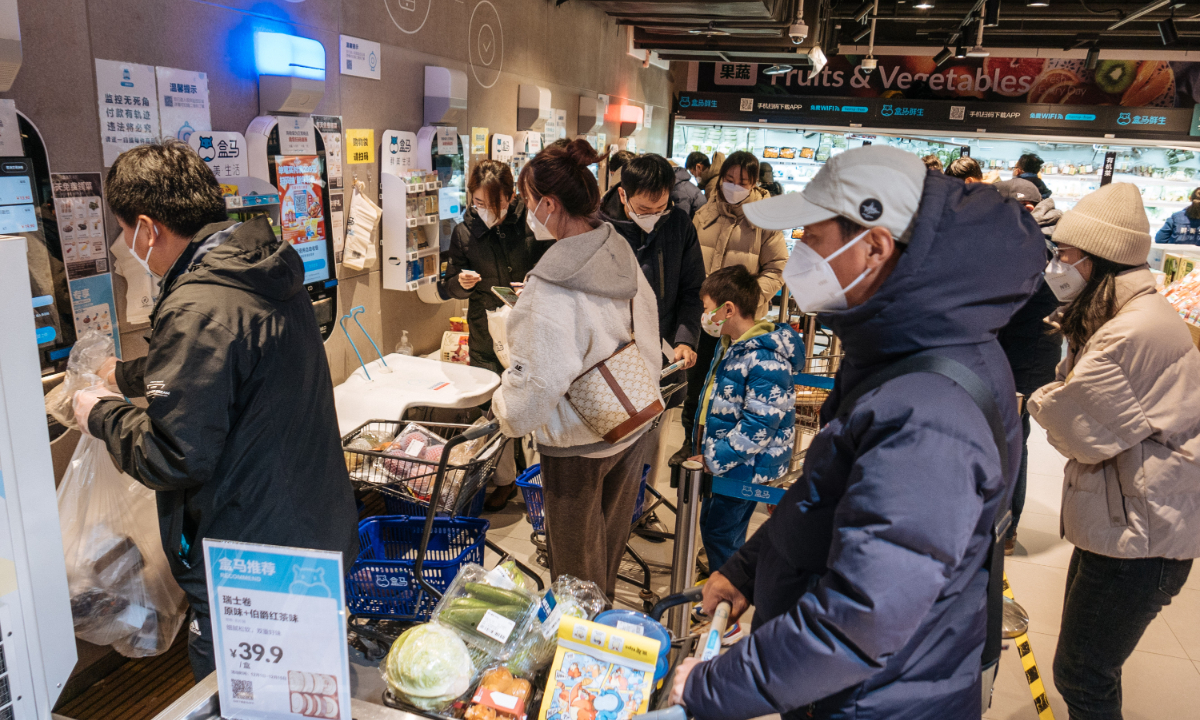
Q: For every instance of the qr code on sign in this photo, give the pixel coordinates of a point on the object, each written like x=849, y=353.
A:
x=958, y=112
x=243, y=689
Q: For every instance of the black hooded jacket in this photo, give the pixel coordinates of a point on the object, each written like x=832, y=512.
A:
x=240, y=439
x=501, y=255
x=671, y=259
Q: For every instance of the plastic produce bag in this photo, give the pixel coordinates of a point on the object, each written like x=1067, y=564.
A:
x=415, y=442
x=498, y=327
x=360, y=231
x=87, y=355
x=122, y=591
x=429, y=667
x=567, y=597
x=488, y=611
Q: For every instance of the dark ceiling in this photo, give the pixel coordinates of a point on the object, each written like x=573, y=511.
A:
x=752, y=30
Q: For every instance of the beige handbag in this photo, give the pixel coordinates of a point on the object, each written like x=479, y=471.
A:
x=619, y=394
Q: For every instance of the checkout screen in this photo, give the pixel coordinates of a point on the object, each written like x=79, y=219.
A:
x=19, y=216
x=302, y=213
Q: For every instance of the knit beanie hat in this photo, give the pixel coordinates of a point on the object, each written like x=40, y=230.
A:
x=1110, y=223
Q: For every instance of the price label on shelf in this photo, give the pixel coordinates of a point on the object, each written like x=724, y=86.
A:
x=279, y=631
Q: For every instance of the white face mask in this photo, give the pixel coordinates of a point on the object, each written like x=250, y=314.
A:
x=490, y=218
x=734, y=194
x=812, y=281
x=645, y=222
x=540, y=231
x=1065, y=280
x=709, y=325
x=144, y=262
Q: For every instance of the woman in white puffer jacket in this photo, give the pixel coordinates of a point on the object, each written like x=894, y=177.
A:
x=582, y=301
x=1125, y=410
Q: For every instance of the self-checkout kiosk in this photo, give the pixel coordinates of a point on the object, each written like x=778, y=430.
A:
x=287, y=163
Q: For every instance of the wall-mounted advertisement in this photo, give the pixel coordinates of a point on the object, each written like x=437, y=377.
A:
x=302, y=213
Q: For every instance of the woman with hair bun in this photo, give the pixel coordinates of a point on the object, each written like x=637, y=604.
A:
x=585, y=298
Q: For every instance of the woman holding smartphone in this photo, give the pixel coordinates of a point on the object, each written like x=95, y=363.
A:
x=492, y=247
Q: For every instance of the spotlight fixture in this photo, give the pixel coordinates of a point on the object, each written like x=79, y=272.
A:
x=777, y=70
x=1037, y=3
x=1167, y=31
x=869, y=64
x=1093, y=57
x=924, y=5
x=862, y=34
x=978, y=51
x=863, y=11
x=941, y=58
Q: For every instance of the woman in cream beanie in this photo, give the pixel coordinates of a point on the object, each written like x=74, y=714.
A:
x=1124, y=410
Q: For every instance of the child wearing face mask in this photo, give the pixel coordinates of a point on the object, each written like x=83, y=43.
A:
x=747, y=418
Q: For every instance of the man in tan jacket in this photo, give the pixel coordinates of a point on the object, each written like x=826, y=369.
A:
x=727, y=238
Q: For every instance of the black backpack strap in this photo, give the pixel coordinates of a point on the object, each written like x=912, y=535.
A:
x=984, y=400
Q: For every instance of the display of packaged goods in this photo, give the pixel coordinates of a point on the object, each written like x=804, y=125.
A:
x=366, y=440
x=489, y=611
x=499, y=696
x=770, y=152
x=599, y=671
x=1184, y=296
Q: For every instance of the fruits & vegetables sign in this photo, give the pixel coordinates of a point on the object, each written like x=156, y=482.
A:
x=1127, y=83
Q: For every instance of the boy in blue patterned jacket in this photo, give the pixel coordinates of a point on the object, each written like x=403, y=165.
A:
x=747, y=418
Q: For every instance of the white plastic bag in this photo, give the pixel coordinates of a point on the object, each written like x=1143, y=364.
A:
x=361, y=223
x=498, y=327
x=122, y=591
x=87, y=355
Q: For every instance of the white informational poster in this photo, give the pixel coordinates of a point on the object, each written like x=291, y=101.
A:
x=550, y=131
x=359, y=57
x=560, y=123
x=296, y=135
x=330, y=127
x=128, y=106
x=182, y=102
x=447, y=141
x=225, y=153
x=502, y=147
x=279, y=631
x=10, y=133
x=398, y=152
x=648, y=116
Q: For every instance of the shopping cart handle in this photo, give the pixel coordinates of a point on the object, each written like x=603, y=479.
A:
x=687, y=596
x=675, y=712
x=479, y=431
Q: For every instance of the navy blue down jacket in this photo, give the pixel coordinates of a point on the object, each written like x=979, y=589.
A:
x=868, y=581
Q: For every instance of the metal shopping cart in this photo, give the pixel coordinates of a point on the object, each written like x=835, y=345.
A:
x=407, y=558
x=823, y=357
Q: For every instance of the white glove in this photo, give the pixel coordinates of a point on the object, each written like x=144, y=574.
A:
x=85, y=400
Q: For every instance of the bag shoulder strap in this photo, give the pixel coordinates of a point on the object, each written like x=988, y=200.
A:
x=632, y=327
x=983, y=399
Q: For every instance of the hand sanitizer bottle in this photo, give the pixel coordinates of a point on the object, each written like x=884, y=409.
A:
x=404, y=347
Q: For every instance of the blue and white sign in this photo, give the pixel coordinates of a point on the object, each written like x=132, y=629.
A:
x=359, y=57
x=279, y=631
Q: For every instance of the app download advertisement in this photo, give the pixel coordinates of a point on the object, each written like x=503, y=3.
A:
x=302, y=216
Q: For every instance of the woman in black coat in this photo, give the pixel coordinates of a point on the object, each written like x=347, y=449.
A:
x=492, y=247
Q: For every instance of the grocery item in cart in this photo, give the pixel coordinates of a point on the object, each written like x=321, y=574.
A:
x=567, y=597
x=600, y=671
x=413, y=442
x=367, y=440
x=487, y=610
x=500, y=696
x=429, y=667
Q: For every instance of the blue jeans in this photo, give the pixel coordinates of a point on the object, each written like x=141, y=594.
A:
x=723, y=525
x=1109, y=604
x=1018, y=496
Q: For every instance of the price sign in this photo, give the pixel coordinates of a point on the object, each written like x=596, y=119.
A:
x=279, y=631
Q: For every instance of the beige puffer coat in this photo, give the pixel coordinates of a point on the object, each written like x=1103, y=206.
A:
x=1126, y=412
x=727, y=238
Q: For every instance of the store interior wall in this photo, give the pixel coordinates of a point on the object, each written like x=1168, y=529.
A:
x=572, y=50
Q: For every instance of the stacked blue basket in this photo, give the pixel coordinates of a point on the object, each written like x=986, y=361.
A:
x=382, y=583
x=530, y=483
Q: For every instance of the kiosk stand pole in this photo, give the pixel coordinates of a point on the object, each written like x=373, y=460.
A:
x=683, y=568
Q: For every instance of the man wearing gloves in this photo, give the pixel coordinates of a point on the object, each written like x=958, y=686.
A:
x=239, y=437
x=870, y=579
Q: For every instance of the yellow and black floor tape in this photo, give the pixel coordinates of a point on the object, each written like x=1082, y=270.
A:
x=1037, y=687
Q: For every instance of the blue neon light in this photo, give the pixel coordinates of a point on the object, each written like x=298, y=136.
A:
x=289, y=55
x=1082, y=117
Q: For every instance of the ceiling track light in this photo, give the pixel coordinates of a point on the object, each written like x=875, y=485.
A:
x=862, y=34
x=777, y=70
x=942, y=57
x=1093, y=57
x=924, y=5
x=860, y=15
x=1037, y=3
x=978, y=51
x=1167, y=31
x=960, y=51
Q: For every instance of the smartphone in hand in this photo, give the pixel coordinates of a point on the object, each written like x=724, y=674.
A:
x=508, y=295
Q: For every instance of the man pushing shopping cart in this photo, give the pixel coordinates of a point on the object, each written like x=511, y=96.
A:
x=873, y=579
